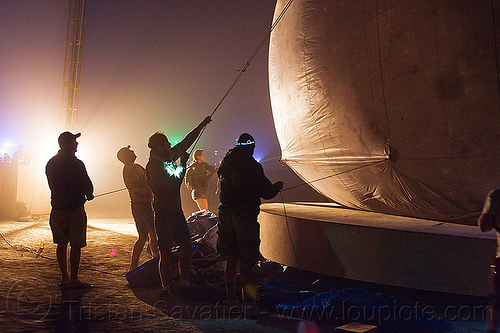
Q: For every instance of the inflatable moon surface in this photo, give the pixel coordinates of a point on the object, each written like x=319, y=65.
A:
x=390, y=106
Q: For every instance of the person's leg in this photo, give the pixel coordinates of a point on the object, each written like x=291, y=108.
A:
x=246, y=282
x=77, y=235
x=249, y=294
x=248, y=235
x=153, y=244
x=184, y=264
x=62, y=260
x=74, y=260
x=231, y=274
x=59, y=226
x=164, y=267
x=202, y=203
x=137, y=249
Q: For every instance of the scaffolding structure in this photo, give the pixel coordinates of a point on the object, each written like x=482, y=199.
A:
x=73, y=64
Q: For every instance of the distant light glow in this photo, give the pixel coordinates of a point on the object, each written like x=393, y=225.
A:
x=173, y=169
x=259, y=155
x=7, y=149
x=113, y=252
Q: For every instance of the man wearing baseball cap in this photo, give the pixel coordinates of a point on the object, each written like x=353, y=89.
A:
x=70, y=188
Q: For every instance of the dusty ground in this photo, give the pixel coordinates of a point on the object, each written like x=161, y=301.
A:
x=32, y=301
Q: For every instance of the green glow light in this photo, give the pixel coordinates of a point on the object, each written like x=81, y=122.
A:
x=173, y=169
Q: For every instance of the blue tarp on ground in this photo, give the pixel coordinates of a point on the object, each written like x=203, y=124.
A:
x=359, y=305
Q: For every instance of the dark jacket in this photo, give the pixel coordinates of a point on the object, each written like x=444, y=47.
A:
x=68, y=181
x=166, y=186
x=242, y=182
x=198, y=175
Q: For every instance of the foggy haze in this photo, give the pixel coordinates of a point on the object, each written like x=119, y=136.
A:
x=147, y=66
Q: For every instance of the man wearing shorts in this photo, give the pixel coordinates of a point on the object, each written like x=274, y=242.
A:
x=70, y=188
x=242, y=184
x=488, y=220
x=141, y=198
x=165, y=178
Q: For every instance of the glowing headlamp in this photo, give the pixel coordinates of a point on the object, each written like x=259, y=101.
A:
x=249, y=142
x=173, y=169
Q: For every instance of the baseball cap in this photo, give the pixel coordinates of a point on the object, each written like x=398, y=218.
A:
x=66, y=137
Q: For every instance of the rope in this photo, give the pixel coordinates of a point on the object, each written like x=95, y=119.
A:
x=382, y=75
x=110, y=192
x=247, y=64
x=333, y=175
x=458, y=218
x=37, y=253
x=291, y=241
x=6, y=241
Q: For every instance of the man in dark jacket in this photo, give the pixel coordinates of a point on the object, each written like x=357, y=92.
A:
x=70, y=188
x=165, y=178
x=242, y=184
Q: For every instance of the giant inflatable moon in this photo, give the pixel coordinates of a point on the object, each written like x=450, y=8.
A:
x=390, y=106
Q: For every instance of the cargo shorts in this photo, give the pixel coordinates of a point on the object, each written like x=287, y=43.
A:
x=69, y=226
x=239, y=236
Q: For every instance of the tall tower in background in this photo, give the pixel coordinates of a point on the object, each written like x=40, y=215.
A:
x=73, y=64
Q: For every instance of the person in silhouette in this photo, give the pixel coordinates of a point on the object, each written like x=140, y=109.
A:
x=21, y=156
x=70, y=188
x=197, y=176
x=165, y=177
x=242, y=185
x=141, y=199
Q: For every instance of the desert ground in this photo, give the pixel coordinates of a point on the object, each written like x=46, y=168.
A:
x=31, y=299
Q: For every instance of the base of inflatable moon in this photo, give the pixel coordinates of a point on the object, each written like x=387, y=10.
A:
x=378, y=248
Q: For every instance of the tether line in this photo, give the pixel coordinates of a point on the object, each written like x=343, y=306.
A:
x=106, y=193
x=333, y=175
x=241, y=71
x=240, y=74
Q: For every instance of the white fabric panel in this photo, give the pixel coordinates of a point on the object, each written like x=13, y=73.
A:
x=393, y=109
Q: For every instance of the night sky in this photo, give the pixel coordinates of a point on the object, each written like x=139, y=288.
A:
x=147, y=66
